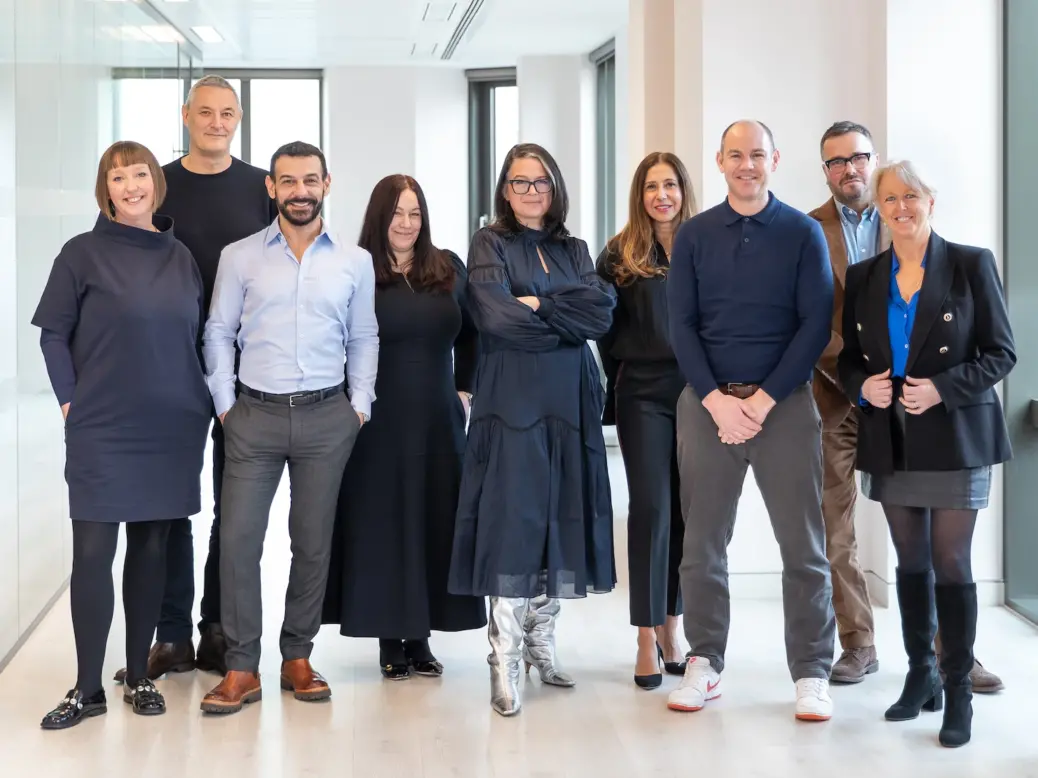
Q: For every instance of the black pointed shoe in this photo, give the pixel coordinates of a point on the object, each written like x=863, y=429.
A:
x=420, y=658
x=145, y=698
x=74, y=708
x=392, y=660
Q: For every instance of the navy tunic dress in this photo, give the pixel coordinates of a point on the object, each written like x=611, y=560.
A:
x=535, y=510
x=128, y=302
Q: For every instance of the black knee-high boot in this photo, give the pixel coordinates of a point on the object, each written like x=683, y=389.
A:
x=922, y=689
x=957, y=612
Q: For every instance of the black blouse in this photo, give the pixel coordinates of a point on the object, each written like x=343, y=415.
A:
x=641, y=329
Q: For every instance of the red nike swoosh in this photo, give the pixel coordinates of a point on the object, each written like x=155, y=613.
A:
x=711, y=686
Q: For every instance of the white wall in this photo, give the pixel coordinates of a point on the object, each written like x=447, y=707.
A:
x=385, y=120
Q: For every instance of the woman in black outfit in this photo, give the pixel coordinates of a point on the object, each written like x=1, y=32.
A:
x=395, y=523
x=926, y=339
x=642, y=388
x=535, y=512
x=120, y=318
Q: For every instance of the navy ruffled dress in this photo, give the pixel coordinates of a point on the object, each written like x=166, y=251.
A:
x=535, y=509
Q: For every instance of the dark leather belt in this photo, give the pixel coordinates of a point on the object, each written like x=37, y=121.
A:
x=294, y=399
x=741, y=391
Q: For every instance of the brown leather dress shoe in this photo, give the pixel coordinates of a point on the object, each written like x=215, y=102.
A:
x=237, y=688
x=299, y=677
x=166, y=658
x=854, y=664
x=982, y=680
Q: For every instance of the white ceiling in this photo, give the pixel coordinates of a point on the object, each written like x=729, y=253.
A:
x=324, y=33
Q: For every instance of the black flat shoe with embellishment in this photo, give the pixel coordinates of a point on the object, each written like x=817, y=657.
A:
x=74, y=708
x=145, y=698
x=392, y=660
x=420, y=658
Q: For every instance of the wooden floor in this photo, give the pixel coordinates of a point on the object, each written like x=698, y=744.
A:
x=605, y=727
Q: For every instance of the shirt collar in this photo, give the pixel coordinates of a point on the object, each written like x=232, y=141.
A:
x=868, y=215
x=764, y=216
x=895, y=265
x=274, y=234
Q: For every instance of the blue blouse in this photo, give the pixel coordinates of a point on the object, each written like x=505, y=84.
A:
x=900, y=319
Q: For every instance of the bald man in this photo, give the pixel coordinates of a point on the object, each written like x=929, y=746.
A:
x=750, y=297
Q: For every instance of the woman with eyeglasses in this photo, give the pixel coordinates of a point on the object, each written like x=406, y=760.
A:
x=534, y=521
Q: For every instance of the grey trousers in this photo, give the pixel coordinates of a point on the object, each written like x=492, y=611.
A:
x=786, y=457
x=315, y=440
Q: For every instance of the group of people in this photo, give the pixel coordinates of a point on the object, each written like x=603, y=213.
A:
x=442, y=422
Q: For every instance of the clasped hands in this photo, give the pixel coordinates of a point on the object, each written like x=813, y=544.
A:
x=918, y=394
x=738, y=420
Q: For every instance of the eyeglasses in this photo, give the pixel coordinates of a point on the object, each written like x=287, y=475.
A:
x=839, y=164
x=521, y=186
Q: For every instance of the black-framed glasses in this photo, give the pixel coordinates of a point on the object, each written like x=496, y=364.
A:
x=839, y=164
x=521, y=186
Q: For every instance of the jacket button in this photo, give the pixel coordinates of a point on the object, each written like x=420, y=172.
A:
x=947, y=317
x=866, y=357
x=859, y=326
x=944, y=349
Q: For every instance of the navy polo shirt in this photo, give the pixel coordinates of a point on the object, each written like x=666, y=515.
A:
x=750, y=298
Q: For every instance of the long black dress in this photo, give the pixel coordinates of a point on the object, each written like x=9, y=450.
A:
x=394, y=526
x=129, y=304
x=535, y=512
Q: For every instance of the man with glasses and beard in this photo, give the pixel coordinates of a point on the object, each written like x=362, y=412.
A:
x=853, y=233
x=299, y=302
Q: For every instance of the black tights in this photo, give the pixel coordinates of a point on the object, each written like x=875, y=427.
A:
x=937, y=538
x=93, y=594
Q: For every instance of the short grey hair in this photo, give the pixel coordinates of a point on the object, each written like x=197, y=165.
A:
x=213, y=80
x=908, y=174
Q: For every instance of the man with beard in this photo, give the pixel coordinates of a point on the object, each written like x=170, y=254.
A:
x=299, y=302
x=214, y=200
x=853, y=233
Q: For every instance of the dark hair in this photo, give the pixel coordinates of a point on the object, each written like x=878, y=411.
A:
x=298, y=148
x=124, y=153
x=635, y=244
x=762, y=125
x=555, y=219
x=843, y=128
x=431, y=267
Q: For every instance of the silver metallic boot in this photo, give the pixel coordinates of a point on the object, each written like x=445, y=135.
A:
x=505, y=631
x=539, y=647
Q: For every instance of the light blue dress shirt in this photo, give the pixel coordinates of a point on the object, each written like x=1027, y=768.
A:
x=295, y=322
x=860, y=232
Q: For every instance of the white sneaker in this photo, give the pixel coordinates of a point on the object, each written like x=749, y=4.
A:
x=813, y=700
x=701, y=683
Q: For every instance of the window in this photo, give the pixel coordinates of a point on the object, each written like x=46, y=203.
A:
x=277, y=107
x=493, y=130
x=605, y=143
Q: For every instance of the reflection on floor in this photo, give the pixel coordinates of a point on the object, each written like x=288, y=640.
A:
x=604, y=728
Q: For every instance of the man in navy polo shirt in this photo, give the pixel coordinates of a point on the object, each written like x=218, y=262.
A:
x=750, y=295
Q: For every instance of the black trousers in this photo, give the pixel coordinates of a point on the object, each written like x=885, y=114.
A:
x=92, y=594
x=646, y=403
x=179, y=593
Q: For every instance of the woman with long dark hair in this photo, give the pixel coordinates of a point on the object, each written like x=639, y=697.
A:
x=535, y=512
x=395, y=524
x=642, y=388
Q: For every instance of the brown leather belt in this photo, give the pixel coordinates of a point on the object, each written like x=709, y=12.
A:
x=741, y=391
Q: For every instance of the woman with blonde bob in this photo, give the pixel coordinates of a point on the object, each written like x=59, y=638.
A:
x=120, y=318
x=643, y=384
x=926, y=338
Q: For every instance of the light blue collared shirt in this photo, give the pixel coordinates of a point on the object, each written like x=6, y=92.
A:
x=295, y=322
x=860, y=233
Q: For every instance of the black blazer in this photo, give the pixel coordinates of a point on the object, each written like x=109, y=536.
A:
x=961, y=340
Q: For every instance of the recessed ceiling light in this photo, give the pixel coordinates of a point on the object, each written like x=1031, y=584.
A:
x=207, y=34
x=162, y=33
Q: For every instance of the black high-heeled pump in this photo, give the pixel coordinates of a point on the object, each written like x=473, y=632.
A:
x=673, y=668
x=653, y=680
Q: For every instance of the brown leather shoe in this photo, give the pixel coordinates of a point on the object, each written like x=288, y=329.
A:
x=237, y=688
x=854, y=664
x=983, y=680
x=166, y=658
x=298, y=676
